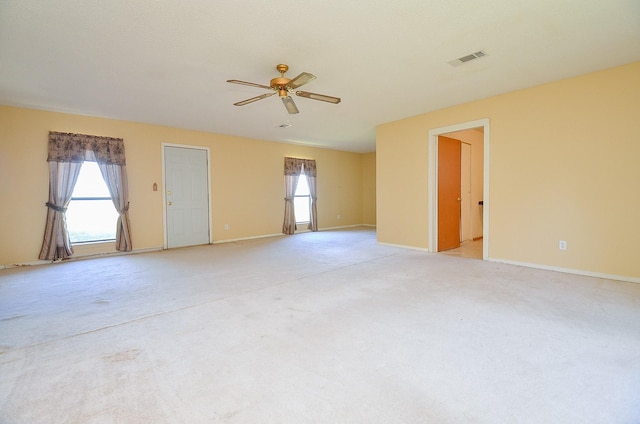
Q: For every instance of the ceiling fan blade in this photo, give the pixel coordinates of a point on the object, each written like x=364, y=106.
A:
x=290, y=105
x=314, y=96
x=254, y=99
x=300, y=80
x=252, y=84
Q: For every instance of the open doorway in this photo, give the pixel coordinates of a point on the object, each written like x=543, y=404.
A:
x=468, y=203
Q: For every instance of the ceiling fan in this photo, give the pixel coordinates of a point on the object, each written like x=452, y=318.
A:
x=282, y=86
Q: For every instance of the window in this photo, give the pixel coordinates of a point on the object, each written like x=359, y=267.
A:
x=302, y=200
x=91, y=215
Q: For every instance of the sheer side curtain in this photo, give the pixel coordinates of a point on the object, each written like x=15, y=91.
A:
x=292, y=169
x=67, y=151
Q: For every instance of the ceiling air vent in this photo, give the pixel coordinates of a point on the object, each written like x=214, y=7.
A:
x=468, y=58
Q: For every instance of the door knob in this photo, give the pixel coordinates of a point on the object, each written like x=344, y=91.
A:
x=169, y=203
x=459, y=199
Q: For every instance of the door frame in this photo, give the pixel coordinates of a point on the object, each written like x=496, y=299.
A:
x=466, y=220
x=433, y=181
x=164, y=191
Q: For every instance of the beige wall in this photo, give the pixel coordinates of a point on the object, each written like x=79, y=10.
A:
x=564, y=165
x=369, y=188
x=246, y=181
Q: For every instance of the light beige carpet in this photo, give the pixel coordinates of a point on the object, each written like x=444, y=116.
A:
x=326, y=327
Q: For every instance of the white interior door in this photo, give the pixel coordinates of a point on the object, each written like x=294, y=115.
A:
x=186, y=196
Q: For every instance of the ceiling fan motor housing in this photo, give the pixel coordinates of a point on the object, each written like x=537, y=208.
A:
x=280, y=82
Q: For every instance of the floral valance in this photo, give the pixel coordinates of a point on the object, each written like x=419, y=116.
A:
x=293, y=166
x=310, y=168
x=69, y=147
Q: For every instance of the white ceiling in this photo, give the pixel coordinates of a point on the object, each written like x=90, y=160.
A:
x=167, y=62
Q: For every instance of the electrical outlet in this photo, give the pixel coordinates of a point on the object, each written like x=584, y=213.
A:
x=338, y=217
x=226, y=227
x=562, y=245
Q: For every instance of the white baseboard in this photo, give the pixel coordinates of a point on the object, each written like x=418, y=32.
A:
x=624, y=278
x=281, y=234
x=569, y=270
x=32, y=263
x=77, y=257
x=246, y=238
x=346, y=226
x=153, y=249
x=403, y=246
